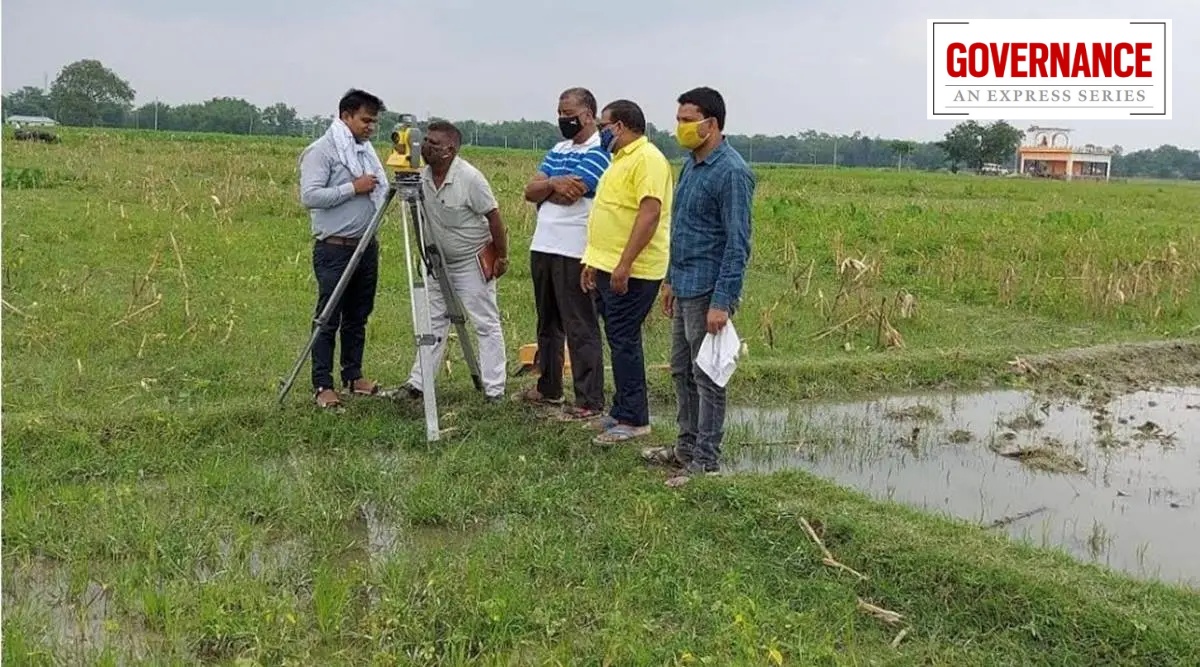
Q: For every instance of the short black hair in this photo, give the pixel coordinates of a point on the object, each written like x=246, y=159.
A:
x=355, y=99
x=446, y=127
x=583, y=96
x=628, y=114
x=709, y=101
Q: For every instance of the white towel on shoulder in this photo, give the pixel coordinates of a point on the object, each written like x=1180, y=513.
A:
x=351, y=151
x=718, y=354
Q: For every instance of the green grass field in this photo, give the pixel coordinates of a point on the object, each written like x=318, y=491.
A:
x=156, y=290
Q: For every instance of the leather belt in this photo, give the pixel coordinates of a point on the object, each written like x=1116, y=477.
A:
x=341, y=240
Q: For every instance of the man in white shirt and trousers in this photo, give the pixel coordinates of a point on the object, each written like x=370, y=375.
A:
x=464, y=217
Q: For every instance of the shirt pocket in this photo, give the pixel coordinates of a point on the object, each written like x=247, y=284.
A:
x=625, y=184
x=701, y=204
x=452, y=197
x=710, y=207
x=457, y=205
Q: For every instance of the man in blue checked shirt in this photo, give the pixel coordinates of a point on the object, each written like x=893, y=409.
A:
x=563, y=189
x=710, y=247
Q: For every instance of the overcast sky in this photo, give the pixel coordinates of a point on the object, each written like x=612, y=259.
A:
x=833, y=65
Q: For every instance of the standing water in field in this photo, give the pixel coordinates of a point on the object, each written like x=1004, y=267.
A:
x=1114, y=481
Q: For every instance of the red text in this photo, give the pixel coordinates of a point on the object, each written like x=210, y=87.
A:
x=1055, y=60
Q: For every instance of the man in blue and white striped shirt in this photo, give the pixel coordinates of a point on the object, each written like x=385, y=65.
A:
x=563, y=189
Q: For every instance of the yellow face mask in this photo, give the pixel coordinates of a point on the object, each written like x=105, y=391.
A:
x=688, y=134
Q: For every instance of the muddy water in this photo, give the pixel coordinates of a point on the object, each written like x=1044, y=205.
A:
x=77, y=617
x=80, y=619
x=1114, y=482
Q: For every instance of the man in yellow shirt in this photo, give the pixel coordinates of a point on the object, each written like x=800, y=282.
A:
x=625, y=261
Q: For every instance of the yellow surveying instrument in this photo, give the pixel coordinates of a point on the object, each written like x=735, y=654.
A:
x=406, y=141
x=405, y=163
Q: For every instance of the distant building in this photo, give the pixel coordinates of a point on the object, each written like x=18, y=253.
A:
x=1047, y=152
x=30, y=121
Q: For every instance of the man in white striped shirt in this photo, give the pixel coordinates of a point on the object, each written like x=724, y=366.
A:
x=563, y=189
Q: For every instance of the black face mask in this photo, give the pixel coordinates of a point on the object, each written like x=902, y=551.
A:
x=569, y=126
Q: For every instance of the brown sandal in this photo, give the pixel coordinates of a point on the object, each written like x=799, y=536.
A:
x=532, y=396
x=578, y=414
x=326, y=398
x=352, y=389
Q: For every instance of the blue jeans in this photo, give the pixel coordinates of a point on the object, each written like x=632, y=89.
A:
x=623, y=316
x=701, y=403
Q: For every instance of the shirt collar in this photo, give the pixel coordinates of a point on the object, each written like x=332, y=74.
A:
x=631, y=146
x=716, y=154
x=593, y=140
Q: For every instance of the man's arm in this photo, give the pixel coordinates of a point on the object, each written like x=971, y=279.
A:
x=568, y=189
x=543, y=186
x=499, y=233
x=644, y=226
x=314, y=179
x=737, y=195
x=591, y=167
x=675, y=202
x=482, y=201
x=539, y=188
x=555, y=189
x=652, y=182
x=586, y=174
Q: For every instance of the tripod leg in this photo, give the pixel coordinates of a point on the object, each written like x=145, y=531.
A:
x=457, y=315
x=454, y=307
x=338, y=290
x=423, y=325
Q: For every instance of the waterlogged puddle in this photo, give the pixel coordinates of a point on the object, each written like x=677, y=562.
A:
x=1116, y=482
x=76, y=620
x=262, y=559
x=377, y=540
x=374, y=539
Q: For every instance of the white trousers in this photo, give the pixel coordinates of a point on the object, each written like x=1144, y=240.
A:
x=482, y=310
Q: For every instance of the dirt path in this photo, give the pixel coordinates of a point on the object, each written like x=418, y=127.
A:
x=1113, y=369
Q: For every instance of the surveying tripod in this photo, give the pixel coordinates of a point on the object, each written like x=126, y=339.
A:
x=405, y=162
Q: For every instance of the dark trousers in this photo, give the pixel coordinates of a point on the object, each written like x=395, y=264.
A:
x=565, y=311
x=350, y=316
x=623, y=316
x=701, y=402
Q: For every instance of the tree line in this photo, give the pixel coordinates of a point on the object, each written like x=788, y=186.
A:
x=86, y=93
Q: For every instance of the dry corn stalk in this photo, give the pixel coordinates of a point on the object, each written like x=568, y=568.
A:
x=807, y=280
x=908, y=304
x=828, y=560
x=1022, y=367
x=1007, y=284
x=886, y=615
x=767, y=322
x=891, y=337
